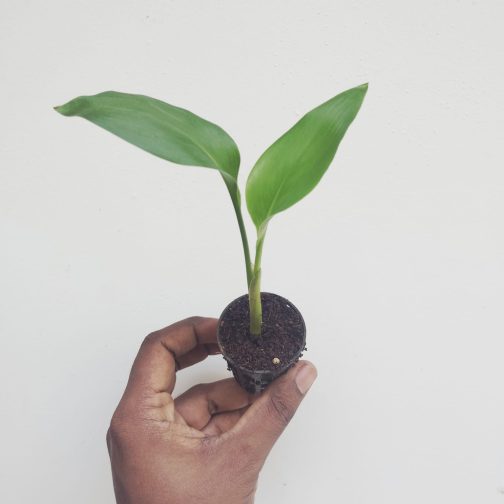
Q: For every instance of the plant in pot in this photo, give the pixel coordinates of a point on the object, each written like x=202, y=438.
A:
x=261, y=335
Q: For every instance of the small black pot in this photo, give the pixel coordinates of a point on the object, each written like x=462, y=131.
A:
x=254, y=362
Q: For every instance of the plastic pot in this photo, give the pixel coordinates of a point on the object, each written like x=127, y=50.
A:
x=256, y=362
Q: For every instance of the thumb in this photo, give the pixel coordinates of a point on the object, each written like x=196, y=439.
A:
x=267, y=417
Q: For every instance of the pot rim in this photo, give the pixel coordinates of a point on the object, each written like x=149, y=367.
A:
x=278, y=370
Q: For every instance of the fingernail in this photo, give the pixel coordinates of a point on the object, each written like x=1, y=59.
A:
x=305, y=378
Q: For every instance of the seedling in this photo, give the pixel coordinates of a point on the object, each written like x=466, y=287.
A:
x=285, y=173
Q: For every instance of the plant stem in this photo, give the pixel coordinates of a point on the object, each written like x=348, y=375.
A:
x=253, y=275
x=234, y=192
x=255, y=286
x=243, y=234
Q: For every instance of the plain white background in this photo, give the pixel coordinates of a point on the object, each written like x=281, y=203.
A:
x=396, y=259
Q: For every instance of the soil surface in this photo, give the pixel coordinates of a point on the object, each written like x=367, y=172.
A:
x=282, y=334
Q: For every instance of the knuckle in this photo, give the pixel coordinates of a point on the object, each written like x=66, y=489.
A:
x=193, y=319
x=112, y=436
x=115, y=427
x=120, y=434
x=197, y=389
x=108, y=440
x=150, y=338
x=155, y=336
x=279, y=408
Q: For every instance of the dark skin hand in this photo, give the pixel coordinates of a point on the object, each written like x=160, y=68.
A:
x=207, y=445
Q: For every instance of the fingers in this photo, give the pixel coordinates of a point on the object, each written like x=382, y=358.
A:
x=199, y=404
x=267, y=417
x=223, y=422
x=174, y=347
x=196, y=355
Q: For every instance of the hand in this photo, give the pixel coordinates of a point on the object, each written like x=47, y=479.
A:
x=208, y=445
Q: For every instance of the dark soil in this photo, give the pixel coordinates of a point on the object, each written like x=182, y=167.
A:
x=282, y=335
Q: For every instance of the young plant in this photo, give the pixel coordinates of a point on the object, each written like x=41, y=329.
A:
x=285, y=173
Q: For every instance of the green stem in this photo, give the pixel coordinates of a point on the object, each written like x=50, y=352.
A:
x=255, y=286
x=243, y=234
x=253, y=275
x=234, y=192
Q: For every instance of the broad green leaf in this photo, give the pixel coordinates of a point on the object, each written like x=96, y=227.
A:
x=169, y=132
x=291, y=167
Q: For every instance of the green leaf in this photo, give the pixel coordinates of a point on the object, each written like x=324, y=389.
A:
x=169, y=132
x=291, y=167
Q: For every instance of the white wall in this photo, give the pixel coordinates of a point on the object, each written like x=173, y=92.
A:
x=396, y=259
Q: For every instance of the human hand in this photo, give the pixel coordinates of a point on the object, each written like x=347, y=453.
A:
x=208, y=445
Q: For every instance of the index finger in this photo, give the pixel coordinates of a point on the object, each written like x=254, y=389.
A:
x=168, y=349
